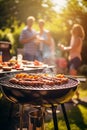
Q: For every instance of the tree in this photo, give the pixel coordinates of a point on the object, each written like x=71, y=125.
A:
x=76, y=12
x=12, y=10
x=7, y=12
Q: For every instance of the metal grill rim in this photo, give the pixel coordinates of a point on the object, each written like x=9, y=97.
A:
x=71, y=83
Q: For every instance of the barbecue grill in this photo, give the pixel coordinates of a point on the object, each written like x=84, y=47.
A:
x=40, y=95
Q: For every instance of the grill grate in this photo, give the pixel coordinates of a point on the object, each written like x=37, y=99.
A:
x=71, y=83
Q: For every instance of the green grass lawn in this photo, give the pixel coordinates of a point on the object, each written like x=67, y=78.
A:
x=77, y=114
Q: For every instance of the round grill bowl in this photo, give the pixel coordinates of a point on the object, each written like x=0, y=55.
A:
x=38, y=95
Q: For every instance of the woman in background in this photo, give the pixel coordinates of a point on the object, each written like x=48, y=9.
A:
x=75, y=48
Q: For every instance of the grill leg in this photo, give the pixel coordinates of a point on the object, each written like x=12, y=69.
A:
x=65, y=117
x=54, y=117
x=21, y=116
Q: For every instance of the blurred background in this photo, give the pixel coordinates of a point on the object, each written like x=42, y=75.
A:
x=59, y=17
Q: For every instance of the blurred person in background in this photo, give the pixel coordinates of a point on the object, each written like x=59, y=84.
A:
x=75, y=48
x=28, y=38
x=46, y=44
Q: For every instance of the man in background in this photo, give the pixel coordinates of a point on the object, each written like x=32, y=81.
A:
x=28, y=38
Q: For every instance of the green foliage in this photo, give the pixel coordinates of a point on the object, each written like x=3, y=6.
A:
x=19, y=10
x=7, y=13
x=12, y=35
x=15, y=34
x=4, y=35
